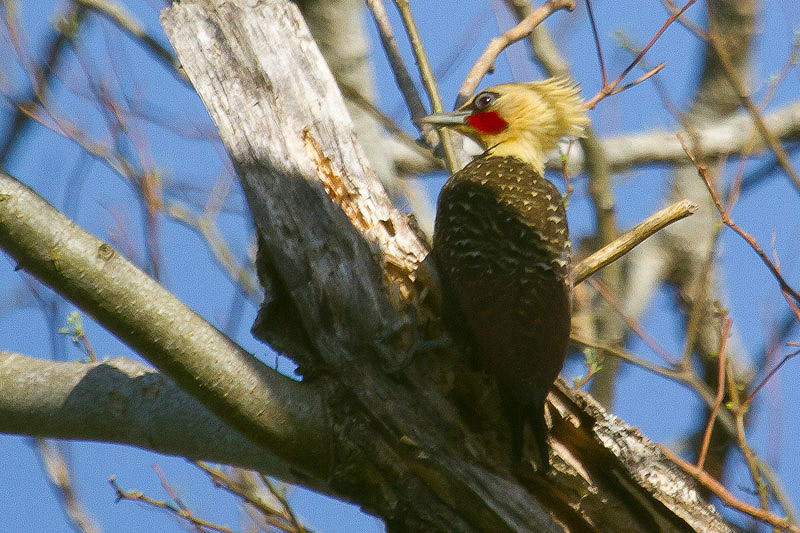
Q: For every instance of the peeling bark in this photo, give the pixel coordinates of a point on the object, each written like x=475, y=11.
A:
x=410, y=445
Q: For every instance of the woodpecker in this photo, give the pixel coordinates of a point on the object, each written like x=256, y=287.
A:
x=501, y=245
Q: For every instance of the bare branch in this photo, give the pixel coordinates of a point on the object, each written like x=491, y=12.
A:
x=428, y=80
x=726, y=497
x=498, y=44
x=177, y=509
x=127, y=23
x=715, y=139
x=741, y=92
x=230, y=381
x=625, y=243
x=55, y=465
x=403, y=78
x=785, y=287
x=712, y=418
x=122, y=401
x=611, y=88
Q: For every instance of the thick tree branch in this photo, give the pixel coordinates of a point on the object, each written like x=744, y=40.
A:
x=281, y=414
x=122, y=401
x=735, y=135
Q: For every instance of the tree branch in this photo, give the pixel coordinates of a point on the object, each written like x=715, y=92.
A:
x=630, y=239
x=500, y=43
x=125, y=402
x=281, y=414
x=732, y=136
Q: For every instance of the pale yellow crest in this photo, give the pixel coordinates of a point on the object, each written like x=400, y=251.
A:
x=538, y=114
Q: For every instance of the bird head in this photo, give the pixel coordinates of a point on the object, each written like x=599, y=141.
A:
x=524, y=120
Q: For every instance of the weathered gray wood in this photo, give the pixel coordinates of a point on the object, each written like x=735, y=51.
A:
x=343, y=270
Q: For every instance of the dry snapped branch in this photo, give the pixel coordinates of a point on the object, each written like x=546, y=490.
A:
x=630, y=239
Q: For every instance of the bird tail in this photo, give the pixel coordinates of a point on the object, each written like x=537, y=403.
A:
x=518, y=415
x=539, y=428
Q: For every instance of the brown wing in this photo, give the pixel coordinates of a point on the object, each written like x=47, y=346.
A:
x=502, y=248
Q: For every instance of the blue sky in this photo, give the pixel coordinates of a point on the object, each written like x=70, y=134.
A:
x=99, y=200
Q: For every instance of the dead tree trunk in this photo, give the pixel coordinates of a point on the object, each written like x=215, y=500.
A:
x=348, y=293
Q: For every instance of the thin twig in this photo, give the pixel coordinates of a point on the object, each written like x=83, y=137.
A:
x=689, y=25
x=282, y=518
x=387, y=122
x=785, y=287
x=117, y=15
x=630, y=239
x=750, y=458
x=663, y=94
x=428, y=80
x=238, y=272
x=135, y=495
x=771, y=373
x=712, y=418
x=499, y=43
x=646, y=76
x=40, y=77
x=597, y=43
x=697, y=314
x=684, y=376
x=747, y=103
x=669, y=373
x=610, y=88
x=566, y=174
x=59, y=473
x=788, y=67
x=778, y=491
x=632, y=323
x=542, y=46
x=281, y=497
x=399, y=69
x=184, y=509
x=726, y=497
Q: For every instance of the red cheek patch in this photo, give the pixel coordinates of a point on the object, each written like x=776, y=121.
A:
x=489, y=122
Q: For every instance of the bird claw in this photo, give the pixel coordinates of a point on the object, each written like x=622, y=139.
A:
x=418, y=344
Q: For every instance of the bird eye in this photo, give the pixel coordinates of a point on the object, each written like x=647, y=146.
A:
x=483, y=101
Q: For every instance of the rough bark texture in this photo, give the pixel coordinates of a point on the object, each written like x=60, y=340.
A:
x=348, y=293
x=339, y=30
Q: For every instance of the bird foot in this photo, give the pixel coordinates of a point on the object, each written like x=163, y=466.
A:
x=418, y=344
